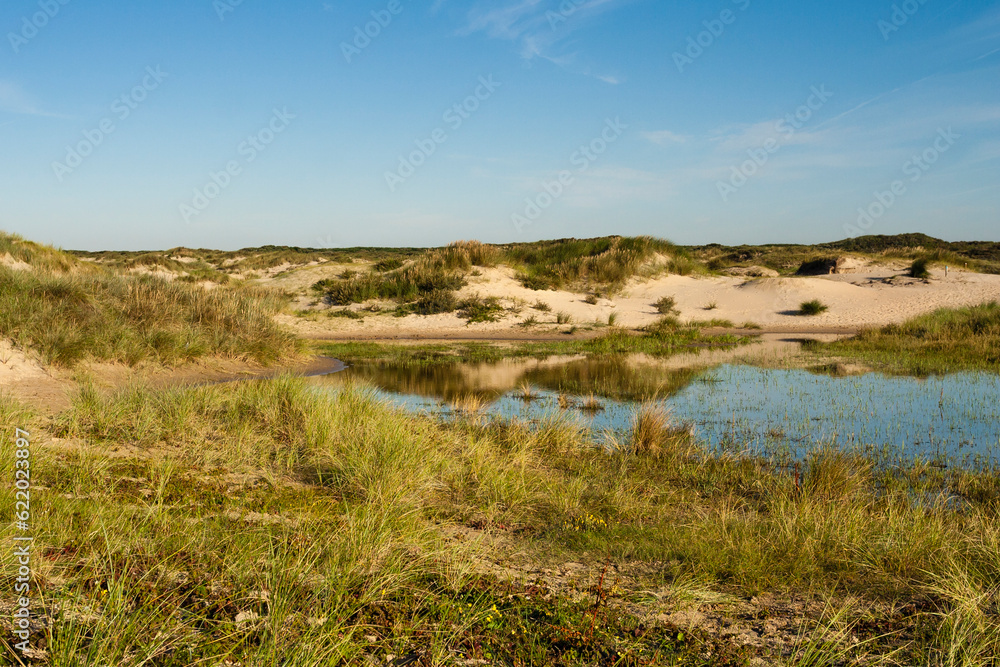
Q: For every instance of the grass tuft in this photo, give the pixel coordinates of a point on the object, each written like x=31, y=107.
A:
x=814, y=307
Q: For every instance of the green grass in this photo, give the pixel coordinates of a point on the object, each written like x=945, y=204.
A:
x=662, y=340
x=477, y=309
x=574, y=263
x=39, y=257
x=666, y=305
x=945, y=341
x=919, y=269
x=321, y=522
x=67, y=318
x=787, y=259
x=814, y=307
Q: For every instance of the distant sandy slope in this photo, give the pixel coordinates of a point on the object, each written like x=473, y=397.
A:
x=878, y=296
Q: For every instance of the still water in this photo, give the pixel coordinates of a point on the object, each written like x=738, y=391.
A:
x=732, y=407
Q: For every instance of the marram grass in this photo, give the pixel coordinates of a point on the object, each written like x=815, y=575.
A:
x=268, y=523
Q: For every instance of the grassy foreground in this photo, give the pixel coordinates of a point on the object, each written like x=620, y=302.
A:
x=263, y=523
x=945, y=341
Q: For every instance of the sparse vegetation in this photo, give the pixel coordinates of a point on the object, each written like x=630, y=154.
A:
x=608, y=262
x=480, y=309
x=666, y=306
x=542, y=307
x=563, y=318
x=591, y=299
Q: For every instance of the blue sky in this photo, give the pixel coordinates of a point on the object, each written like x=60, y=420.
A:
x=226, y=124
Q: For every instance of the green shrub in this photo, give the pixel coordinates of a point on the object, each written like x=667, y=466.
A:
x=919, y=269
x=387, y=265
x=435, y=302
x=666, y=306
x=479, y=309
x=814, y=307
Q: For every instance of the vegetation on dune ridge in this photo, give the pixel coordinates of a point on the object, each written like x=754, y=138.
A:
x=947, y=340
x=254, y=517
x=569, y=263
x=792, y=258
x=36, y=255
x=67, y=318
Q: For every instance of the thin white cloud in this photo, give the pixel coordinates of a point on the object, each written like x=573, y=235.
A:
x=757, y=135
x=540, y=28
x=663, y=137
x=13, y=99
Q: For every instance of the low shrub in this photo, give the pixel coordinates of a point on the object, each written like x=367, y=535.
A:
x=814, y=307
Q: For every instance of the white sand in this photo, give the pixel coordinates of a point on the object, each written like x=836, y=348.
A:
x=879, y=296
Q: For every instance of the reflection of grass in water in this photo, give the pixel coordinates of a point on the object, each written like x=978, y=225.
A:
x=610, y=379
x=613, y=379
x=659, y=341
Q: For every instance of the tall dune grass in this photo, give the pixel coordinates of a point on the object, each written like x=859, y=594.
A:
x=67, y=318
x=249, y=518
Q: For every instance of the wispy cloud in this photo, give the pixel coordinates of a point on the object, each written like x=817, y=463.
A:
x=663, y=137
x=13, y=99
x=540, y=28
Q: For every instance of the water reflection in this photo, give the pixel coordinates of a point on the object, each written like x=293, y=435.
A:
x=733, y=407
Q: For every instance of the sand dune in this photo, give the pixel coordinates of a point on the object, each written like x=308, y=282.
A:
x=881, y=295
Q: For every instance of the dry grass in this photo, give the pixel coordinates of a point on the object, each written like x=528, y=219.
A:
x=654, y=435
x=67, y=318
